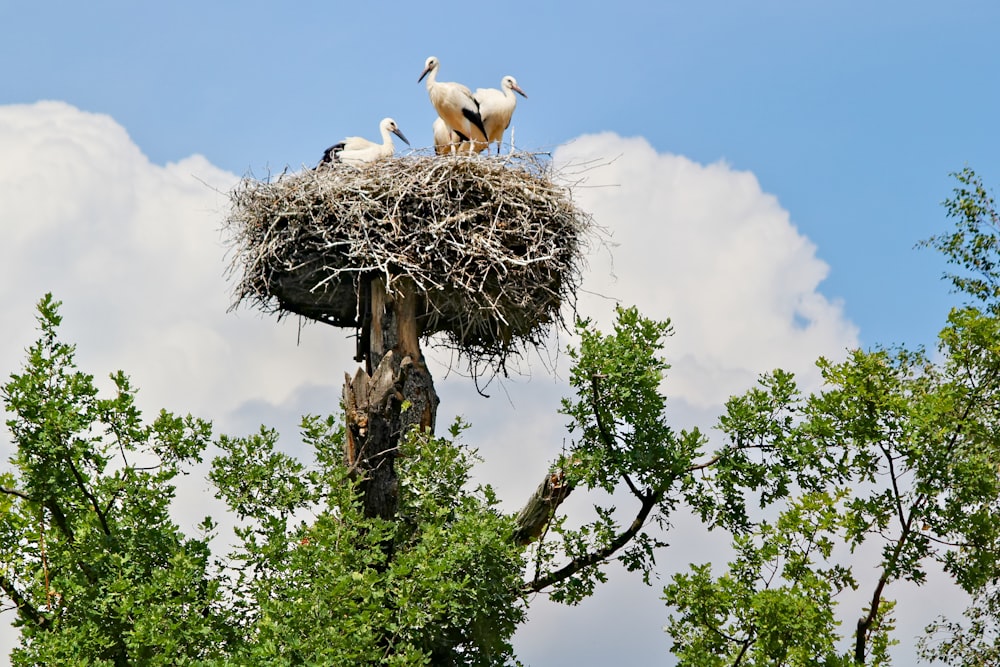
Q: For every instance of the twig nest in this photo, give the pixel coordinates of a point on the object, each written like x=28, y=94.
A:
x=492, y=245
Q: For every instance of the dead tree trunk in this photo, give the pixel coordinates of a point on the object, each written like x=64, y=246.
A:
x=536, y=514
x=374, y=400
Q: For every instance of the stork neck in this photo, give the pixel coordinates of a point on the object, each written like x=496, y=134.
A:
x=432, y=77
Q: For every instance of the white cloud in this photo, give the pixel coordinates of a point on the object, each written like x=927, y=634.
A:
x=701, y=245
x=134, y=251
x=706, y=247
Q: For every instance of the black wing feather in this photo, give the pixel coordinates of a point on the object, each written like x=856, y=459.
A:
x=332, y=154
x=472, y=115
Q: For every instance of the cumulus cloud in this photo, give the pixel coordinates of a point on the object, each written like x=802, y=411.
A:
x=706, y=247
x=134, y=250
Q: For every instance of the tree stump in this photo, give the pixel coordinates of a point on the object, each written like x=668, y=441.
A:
x=534, y=517
x=374, y=401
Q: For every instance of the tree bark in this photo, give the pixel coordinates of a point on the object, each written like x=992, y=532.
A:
x=374, y=401
x=541, y=507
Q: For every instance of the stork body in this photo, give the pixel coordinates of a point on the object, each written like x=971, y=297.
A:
x=358, y=150
x=447, y=140
x=454, y=103
x=496, y=108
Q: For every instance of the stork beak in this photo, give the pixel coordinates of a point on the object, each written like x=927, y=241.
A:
x=518, y=89
x=423, y=74
x=399, y=134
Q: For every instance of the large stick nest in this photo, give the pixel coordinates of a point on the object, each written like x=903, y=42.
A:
x=492, y=245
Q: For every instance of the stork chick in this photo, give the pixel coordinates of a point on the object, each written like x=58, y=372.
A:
x=447, y=140
x=358, y=150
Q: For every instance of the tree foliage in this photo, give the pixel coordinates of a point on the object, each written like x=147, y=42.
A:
x=973, y=247
x=101, y=574
x=623, y=442
x=328, y=590
x=91, y=557
x=310, y=578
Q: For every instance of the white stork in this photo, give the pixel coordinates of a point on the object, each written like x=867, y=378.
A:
x=454, y=103
x=447, y=140
x=496, y=108
x=358, y=150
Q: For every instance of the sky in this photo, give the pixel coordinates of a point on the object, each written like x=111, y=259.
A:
x=763, y=169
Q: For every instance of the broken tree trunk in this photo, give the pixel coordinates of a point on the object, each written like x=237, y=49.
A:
x=374, y=401
x=534, y=517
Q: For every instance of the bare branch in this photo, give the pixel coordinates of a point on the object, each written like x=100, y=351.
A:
x=14, y=492
x=594, y=557
x=707, y=464
x=81, y=484
x=536, y=514
x=24, y=607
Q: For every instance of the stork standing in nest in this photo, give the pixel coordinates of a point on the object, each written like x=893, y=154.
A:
x=358, y=150
x=496, y=108
x=454, y=103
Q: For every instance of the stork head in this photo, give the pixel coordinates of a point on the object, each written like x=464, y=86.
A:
x=510, y=83
x=390, y=125
x=431, y=64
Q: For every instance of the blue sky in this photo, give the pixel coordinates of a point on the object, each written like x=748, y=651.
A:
x=778, y=161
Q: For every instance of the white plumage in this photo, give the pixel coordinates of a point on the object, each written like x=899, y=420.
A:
x=496, y=108
x=447, y=140
x=358, y=150
x=454, y=103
